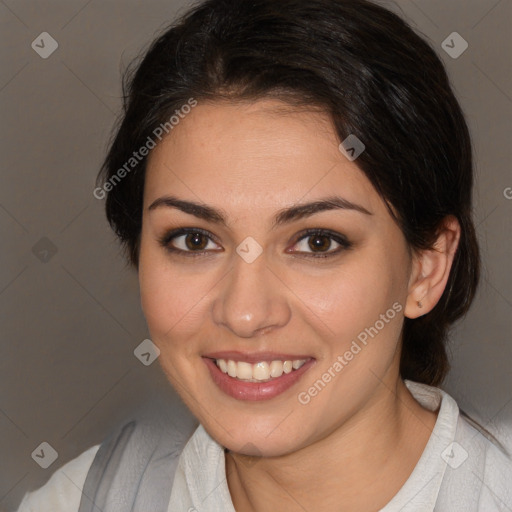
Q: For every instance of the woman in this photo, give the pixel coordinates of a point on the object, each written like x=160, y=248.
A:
x=292, y=181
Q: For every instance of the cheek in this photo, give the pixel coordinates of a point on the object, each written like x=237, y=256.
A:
x=348, y=299
x=358, y=309
x=171, y=300
x=338, y=303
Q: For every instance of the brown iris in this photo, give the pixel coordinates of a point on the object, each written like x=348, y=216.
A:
x=195, y=240
x=315, y=244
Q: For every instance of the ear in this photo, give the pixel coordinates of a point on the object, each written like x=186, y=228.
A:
x=431, y=269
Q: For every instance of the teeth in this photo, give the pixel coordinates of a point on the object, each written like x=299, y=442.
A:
x=262, y=371
x=222, y=365
x=243, y=370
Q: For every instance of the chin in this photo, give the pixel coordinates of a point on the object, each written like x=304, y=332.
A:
x=253, y=441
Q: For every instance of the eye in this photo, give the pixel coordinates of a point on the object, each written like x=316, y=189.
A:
x=316, y=243
x=188, y=241
x=319, y=243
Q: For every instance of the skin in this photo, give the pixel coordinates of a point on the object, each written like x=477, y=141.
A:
x=356, y=442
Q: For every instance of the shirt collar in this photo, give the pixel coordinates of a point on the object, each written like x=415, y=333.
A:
x=203, y=462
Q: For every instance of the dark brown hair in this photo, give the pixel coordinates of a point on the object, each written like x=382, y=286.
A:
x=374, y=76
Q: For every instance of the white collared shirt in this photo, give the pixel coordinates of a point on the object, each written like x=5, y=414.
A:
x=460, y=470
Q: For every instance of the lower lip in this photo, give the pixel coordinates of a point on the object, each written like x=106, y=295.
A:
x=255, y=390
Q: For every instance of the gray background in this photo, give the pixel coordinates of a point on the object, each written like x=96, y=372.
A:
x=70, y=320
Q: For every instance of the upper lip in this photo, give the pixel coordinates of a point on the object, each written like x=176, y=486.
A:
x=255, y=357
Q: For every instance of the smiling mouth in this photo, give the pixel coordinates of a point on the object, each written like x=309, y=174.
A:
x=263, y=371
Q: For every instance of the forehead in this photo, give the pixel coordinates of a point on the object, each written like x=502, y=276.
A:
x=258, y=153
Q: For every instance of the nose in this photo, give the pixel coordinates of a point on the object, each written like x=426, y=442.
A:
x=252, y=300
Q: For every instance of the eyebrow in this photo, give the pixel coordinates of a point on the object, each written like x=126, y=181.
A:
x=284, y=216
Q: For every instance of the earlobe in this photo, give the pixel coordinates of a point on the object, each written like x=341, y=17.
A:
x=431, y=270
x=415, y=305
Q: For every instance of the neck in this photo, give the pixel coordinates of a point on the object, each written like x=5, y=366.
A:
x=359, y=466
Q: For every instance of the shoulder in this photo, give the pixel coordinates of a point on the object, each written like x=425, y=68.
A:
x=467, y=467
x=62, y=493
x=489, y=465
x=478, y=470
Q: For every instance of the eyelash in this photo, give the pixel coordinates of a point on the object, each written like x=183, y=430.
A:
x=167, y=238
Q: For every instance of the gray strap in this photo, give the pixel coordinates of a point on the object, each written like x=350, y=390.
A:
x=134, y=468
x=103, y=469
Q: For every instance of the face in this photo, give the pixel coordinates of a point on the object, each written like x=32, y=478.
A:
x=254, y=277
